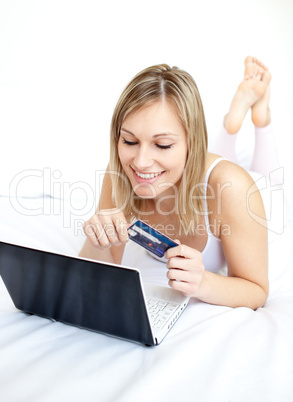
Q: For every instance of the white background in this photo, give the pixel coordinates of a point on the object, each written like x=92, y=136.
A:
x=64, y=63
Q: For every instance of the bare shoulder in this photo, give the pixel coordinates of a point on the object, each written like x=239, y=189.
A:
x=229, y=175
x=232, y=194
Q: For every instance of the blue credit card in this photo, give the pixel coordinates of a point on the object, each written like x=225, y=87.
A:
x=149, y=238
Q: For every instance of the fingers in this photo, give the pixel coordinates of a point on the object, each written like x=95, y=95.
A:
x=185, y=269
x=182, y=263
x=107, y=228
x=188, y=282
x=187, y=288
x=181, y=251
x=179, y=275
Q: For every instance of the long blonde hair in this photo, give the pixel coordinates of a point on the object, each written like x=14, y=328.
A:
x=177, y=86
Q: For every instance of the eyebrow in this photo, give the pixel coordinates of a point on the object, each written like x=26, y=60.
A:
x=155, y=136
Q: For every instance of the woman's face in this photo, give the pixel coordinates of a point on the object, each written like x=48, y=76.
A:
x=152, y=149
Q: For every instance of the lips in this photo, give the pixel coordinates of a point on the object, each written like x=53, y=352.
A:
x=146, y=177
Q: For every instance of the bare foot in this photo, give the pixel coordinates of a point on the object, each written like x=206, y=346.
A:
x=252, y=92
x=260, y=111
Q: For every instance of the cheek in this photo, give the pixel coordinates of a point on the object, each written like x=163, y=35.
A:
x=179, y=159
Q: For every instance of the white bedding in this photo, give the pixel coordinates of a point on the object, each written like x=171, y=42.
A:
x=212, y=353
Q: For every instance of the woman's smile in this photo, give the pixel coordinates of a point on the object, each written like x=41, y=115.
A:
x=146, y=177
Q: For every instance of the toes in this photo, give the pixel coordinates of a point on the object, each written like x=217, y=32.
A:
x=255, y=75
x=259, y=63
x=256, y=70
x=248, y=65
x=251, y=76
x=248, y=60
x=266, y=77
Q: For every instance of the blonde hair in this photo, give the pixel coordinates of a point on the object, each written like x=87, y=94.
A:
x=177, y=86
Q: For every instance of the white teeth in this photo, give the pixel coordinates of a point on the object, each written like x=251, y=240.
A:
x=147, y=176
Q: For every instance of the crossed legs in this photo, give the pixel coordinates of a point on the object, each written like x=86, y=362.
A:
x=252, y=93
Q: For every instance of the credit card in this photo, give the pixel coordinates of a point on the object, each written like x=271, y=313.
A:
x=149, y=238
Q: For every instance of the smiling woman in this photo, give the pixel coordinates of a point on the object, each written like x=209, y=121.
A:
x=148, y=160
x=160, y=171
x=160, y=114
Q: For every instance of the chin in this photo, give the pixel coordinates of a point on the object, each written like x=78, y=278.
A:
x=147, y=194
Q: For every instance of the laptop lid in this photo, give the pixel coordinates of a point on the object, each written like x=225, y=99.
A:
x=102, y=297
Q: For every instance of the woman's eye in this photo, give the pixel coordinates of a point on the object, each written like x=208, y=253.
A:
x=163, y=146
x=135, y=143
x=129, y=142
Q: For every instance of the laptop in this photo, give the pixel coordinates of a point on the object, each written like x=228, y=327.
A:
x=94, y=295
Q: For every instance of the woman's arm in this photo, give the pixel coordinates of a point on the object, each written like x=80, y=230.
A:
x=245, y=246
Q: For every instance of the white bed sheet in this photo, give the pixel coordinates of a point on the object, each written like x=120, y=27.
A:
x=213, y=353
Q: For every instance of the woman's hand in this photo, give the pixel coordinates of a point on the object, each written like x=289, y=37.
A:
x=185, y=269
x=106, y=228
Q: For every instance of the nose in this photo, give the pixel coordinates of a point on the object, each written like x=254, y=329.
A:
x=143, y=158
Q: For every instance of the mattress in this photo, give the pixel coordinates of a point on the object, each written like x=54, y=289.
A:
x=213, y=353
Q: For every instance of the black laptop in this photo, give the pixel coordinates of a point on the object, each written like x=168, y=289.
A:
x=93, y=295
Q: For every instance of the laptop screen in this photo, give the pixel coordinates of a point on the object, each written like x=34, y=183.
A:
x=92, y=295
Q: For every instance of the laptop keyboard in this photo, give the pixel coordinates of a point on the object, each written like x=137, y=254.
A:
x=160, y=311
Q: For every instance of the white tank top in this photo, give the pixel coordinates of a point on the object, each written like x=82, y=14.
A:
x=213, y=254
x=152, y=268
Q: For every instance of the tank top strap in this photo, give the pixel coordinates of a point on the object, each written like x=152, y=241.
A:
x=216, y=161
